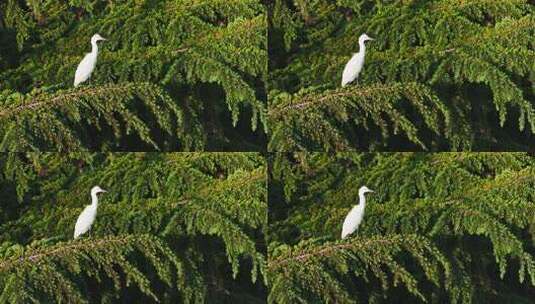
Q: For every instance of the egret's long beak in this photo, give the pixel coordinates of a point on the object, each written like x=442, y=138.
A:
x=104, y=190
x=370, y=38
x=371, y=190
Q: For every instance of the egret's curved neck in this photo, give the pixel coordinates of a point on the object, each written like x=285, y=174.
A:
x=94, y=47
x=362, y=200
x=94, y=199
x=362, y=49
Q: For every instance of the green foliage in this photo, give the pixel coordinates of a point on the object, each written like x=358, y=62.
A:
x=71, y=119
x=471, y=61
x=173, y=227
x=323, y=128
x=202, y=62
x=38, y=268
x=320, y=273
x=440, y=227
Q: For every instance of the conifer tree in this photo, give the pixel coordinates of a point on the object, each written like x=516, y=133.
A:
x=172, y=228
x=174, y=75
x=440, y=75
x=440, y=228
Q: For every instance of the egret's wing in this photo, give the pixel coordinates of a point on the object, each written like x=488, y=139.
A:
x=345, y=74
x=350, y=71
x=350, y=224
x=83, y=223
x=84, y=69
x=353, y=220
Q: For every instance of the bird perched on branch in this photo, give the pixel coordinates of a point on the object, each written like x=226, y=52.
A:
x=87, y=217
x=354, y=65
x=87, y=65
x=354, y=217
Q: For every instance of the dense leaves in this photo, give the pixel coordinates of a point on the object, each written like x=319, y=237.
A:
x=173, y=227
x=472, y=61
x=173, y=75
x=440, y=227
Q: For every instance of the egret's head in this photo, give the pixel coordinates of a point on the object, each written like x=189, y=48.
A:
x=364, y=38
x=96, y=190
x=96, y=38
x=364, y=189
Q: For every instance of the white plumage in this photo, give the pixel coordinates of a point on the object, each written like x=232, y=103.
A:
x=87, y=65
x=87, y=217
x=354, y=65
x=354, y=217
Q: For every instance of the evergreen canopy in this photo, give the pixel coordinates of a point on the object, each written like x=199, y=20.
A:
x=440, y=228
x=440, y=75
x=172, y=228
x=174, y=75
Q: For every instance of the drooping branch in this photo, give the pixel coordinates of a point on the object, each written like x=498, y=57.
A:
x=69, y=248
x=325, y=250
x=72, y=95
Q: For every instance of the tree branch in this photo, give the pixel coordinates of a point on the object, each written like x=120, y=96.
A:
x=324, y=250
x=71, y=94
x=73, y=245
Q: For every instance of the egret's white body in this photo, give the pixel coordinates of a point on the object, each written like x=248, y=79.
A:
x=87, y=217
x=354, y=217
x=87, y=65
x=354, y=65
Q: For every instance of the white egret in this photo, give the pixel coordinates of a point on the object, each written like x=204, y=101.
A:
x=354, y=217
x=87, y=65
x=87, y=217
x=354, y=65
